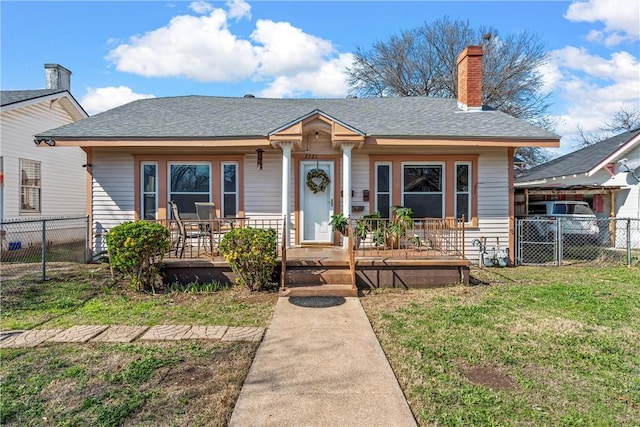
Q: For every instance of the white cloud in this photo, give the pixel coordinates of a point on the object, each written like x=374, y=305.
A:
x=594, y=89
x=97, y=100
x=239, y=9
x=204, y=48
x=327, y=81
x=201, y=7
x=196, y=47
x=620, y=19
x=286, y=49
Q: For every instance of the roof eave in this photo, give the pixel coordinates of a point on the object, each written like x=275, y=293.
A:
x=158, y=142
x=462, y=141
x=617, y=153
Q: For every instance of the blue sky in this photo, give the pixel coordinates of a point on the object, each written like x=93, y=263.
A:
x=119, y=51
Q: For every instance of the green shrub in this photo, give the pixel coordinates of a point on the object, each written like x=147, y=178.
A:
x=252, y=254
x=136, y=249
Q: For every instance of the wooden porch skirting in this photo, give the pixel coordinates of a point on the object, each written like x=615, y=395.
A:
x=371, y=272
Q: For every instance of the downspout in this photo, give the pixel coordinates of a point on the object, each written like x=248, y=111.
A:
x=89, y=202
x=512, y=239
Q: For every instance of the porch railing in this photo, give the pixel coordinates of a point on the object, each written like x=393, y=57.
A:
x=203, y=237
x=416, y=238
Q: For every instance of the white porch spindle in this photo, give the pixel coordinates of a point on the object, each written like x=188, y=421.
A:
x=286, y=180
x=346, y=182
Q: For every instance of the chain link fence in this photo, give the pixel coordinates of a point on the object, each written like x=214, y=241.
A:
x=551, y=241
x=33, y=247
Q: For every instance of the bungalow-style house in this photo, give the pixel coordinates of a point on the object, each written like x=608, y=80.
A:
x=605, y=174
x=307, y=159
x=36, y=183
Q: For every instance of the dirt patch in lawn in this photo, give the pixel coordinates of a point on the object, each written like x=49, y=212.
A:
x=487, y=376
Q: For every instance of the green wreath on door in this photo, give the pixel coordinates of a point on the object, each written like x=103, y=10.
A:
x=317, y=180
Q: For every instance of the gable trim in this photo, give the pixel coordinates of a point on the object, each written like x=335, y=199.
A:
x=67, y=101
x=313, y=114
x=613, y=156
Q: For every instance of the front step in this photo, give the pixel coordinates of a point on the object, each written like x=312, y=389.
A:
x=319, y=280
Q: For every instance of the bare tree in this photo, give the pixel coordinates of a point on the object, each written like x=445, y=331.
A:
x=623, y=120
x=422, y=62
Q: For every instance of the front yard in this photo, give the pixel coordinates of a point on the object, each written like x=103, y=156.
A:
x=523, y=346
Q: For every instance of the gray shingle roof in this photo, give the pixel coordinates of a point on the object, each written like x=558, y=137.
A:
x=8, y=97
x=580, y=161
x=189, y=117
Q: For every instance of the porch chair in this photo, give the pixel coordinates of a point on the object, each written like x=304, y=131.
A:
x=210, y=225
x=184, y=232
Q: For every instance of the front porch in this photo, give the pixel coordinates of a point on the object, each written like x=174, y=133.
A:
x=433, y=256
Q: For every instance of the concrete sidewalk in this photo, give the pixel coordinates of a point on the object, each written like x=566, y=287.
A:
x=320, y=364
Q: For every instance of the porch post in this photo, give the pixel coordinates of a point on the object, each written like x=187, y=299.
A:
x=286, y=179
x=346, y=182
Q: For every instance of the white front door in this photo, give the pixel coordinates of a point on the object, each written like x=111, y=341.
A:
x=316, y=201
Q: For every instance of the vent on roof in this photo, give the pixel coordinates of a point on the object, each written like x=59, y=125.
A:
x=249, y=96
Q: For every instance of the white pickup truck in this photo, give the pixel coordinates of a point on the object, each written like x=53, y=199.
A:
x=576, y=217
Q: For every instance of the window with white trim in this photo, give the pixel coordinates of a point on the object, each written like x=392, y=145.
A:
x=383, y=189
x=189, y=182
x=423, y=189
x=30, y=186
x=463, y=190
x=149, y=189
x=229, y=180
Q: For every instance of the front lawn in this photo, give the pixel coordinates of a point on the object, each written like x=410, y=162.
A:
x=86, y=295
x=522, y=346
x=532, y=346
x=184, y=383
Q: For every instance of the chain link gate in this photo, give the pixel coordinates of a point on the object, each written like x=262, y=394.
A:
x=551, y=241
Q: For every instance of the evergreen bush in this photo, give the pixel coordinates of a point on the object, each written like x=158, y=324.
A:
x=252, y=253
x=136, y=249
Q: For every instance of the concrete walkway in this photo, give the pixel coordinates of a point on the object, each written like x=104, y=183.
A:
x=320, y=364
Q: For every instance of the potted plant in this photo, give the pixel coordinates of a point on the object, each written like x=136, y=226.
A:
x=339, y=223
x=366, y=225
x=401, y=221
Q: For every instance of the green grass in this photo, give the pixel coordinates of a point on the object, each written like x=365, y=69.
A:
x=88, y=296
x=526, y=346
x=180, y=384
x=565, y=342
x=184, y=383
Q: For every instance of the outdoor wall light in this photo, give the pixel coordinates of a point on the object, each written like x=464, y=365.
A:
x=317, y=134
x=49, y=141
x=259, y=152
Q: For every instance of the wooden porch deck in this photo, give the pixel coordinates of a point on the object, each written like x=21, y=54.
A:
x=326, y=271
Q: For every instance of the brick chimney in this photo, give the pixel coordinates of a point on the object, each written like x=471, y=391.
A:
x=470, y=79
x=57, y=77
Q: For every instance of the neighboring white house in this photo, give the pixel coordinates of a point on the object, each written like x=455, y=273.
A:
x=605, y=174
x=35, y=182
